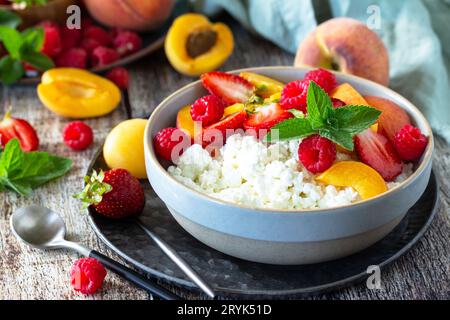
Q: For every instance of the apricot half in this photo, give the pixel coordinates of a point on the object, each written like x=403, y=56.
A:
x=76, y=93
x=265, y=86
x=194, y=45
x=365, y=180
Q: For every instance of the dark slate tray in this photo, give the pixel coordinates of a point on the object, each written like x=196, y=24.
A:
x=234, y=278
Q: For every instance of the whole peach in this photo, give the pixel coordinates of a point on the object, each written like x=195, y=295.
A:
x=138, y=15
x=346, y=45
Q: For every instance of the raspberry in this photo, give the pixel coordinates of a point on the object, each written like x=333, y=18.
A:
x=120, y=77
x=317, y=154
x=410, y=143
x=77, y=135
x=325, y=79
x=207, y=110
x=87, y=275
x=127, y=42
x=89, y=44
x=166, y=140
x=52, y=40
x=74, y=58
x=294, y=95
x=103, y=56
x=70, y=38
x=99, y=34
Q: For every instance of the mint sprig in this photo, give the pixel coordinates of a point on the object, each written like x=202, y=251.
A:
x=22, y=47
x=338, y=125
x=22, y=172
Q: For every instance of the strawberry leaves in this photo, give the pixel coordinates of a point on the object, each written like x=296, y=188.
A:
x=338, y=125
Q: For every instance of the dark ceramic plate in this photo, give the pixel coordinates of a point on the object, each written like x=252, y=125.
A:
x=152, y=41
x=235, y=278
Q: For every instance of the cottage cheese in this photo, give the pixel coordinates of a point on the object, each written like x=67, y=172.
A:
x=247, y=172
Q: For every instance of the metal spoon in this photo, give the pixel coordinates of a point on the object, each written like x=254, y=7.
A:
x=178, y=260
x=42, y=228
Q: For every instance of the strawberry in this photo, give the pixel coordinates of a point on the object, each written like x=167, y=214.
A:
x=114, y=194
x=231, y=88
x=20, y=129
x=375, y=150
x=224, y=128
x=265, y=118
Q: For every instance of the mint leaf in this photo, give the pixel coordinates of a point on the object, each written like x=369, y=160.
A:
x=38, y=60
x=33, y=40
x=9, y=19
x=297, y=113
x=22, y=172
x=295, y=128
x=356, y=119
x=319, y=106
x=12, y=40
x=342, y=138
x=11, y=70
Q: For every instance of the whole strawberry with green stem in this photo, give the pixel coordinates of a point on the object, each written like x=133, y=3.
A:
x=115, y=194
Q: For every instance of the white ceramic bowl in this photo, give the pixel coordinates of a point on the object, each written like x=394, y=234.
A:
x=276, y=236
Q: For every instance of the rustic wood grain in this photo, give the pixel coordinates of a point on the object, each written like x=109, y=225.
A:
x=29, y=274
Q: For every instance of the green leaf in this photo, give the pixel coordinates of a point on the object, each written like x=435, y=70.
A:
x=342, y=138
x=297, y=113
x=295, y=128
x=33, y=40
x=356, y=119
x=9, y=19
x=38, y=60
x=12, y=40
x=11, y=70
x=22, y=172
x=319, y=106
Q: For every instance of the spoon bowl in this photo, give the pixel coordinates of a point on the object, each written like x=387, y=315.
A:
x=39, y=227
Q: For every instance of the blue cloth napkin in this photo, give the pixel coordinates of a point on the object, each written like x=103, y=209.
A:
x=416, y=33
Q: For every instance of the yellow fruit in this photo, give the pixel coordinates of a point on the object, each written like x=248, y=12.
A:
x=124, y=147
x=195, y=46
x=346, y=93
x=76, y=93
x=185, y=122
x=365, y=180
x=265, y=86
x=235, y=108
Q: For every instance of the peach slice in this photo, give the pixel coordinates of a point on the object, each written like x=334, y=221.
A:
x=265, y=86
x=185, y=122
x=365, y=180
x=392, y=118
x=76, y=93
x=235, y=108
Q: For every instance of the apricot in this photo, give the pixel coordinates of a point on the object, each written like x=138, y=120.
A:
x=346, y=45
x=124, y=147
x=138, y=15
x=235, y=108
x=76, y=93
x=265, y=86
x=365, y=180
x=195, y=46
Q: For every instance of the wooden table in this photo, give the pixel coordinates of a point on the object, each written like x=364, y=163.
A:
x=25, y=273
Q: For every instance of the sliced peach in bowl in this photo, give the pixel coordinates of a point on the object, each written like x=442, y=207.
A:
x=365, y=180
x=76, y=93
x=265, y=86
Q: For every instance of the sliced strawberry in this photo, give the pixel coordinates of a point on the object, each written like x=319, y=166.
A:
x=266, y=118
x=375, y=150
x=220, y=131
x=18, y=128
x=231, y=88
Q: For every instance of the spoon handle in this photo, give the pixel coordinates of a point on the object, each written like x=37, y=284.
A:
x=133, y=277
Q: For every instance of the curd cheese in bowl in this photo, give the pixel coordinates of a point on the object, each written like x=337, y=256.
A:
x=267, y=201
